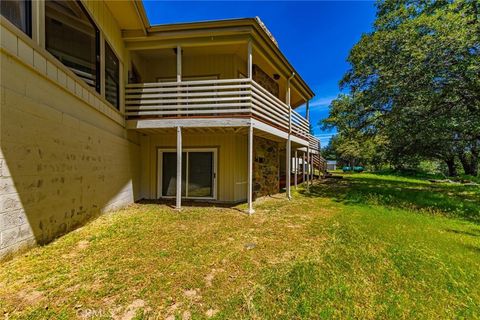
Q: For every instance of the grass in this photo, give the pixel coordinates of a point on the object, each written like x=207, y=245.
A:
x=365, y=246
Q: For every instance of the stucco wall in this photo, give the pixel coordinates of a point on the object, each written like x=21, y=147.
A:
x=64, y=153
x=265, y=167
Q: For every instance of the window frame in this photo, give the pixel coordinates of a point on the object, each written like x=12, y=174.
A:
x=98, y=51
x=108, y=46
x=28, y=19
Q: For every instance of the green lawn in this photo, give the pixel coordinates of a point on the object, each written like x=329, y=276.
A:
x=365, y=246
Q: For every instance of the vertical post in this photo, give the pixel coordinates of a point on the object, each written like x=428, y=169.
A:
x=178, y=199
x=249, y=60
x=312, y=168
x=308, y=168
x=296, y=168
x=307, y=111
x=250, y=170
x=303, y=167
x=289, y=144
x=179, y=63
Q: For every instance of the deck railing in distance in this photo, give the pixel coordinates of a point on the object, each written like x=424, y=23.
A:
x=211, y=98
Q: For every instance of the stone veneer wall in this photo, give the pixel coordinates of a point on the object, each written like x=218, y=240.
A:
x=263, y=79
x=265, y=167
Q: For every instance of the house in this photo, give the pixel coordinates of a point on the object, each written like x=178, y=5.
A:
x=331, y=164
x=99, y=109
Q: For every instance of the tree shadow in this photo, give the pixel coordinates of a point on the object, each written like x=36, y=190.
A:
x=451, y=200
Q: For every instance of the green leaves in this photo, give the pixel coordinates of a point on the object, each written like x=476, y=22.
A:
x=416, y=80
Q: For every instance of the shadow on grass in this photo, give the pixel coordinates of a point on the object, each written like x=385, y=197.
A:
x=452, y=200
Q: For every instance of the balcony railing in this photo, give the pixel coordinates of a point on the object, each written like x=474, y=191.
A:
x=213, y=98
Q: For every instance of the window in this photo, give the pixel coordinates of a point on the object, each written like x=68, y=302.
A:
x=72, y=37
x=112, y=77
x=19, y=13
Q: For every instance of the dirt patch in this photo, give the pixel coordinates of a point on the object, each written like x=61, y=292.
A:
x=29, y=298
x=132, y=309
x=209, y=277
x=211, y=312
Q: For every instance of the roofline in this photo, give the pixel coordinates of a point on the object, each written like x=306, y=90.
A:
x=235, y=22
x=141, y=13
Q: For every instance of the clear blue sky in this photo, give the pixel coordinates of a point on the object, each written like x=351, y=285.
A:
x=315, y=36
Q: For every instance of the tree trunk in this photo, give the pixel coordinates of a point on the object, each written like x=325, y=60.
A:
x=452, y=169
x=470, y=162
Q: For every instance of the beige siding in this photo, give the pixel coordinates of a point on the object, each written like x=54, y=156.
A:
x=64, y=152
x=221, y=65
x=232, y=165
x=107, y=24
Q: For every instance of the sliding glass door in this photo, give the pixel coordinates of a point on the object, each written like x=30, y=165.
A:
x=198, y=173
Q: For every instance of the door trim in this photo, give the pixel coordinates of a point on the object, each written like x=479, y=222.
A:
x=160, y=152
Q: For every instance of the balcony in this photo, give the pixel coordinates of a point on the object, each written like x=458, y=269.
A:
x=215, y=99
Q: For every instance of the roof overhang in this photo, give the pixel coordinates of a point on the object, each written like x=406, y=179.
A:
x=130, y=15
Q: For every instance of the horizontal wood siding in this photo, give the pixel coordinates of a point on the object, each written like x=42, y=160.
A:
x=192, y=66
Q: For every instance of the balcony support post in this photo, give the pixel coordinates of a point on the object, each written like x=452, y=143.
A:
x=179, y=63
x=289, y=142
x=313, y=168
x=308, y=169
x=178, y=196
x=250, y=171
x=303, y=167
x=296, y=168
x=249, y=60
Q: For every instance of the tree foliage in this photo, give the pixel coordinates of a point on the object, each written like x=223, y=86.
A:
x=414, y=81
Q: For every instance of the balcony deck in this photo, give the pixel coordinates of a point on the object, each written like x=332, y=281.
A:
x=226, y=102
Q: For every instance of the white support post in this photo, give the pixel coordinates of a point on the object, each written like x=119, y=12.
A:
x=303, y=167
x=250, y=170
x=296, y=168
x=249, y=60
x=308, y=169
x=312, y=170
x=179, y=63
x=289, y=142
x=178, y=199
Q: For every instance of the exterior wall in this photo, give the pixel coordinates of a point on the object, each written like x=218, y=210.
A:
x=220, y=65
x=64, y=152
x=231, y=167
x=266, y=168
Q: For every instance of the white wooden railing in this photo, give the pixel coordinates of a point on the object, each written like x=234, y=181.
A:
x=212, y=98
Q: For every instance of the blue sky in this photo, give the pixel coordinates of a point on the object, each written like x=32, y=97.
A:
x=315, y=36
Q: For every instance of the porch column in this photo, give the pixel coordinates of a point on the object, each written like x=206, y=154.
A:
x=312, y=168
x=179, y=63
x=296, y=168
x=250, y=170
x=289, y=142
x=308, y=169
x=178, y=196
x=303, y=167
x=249, y=60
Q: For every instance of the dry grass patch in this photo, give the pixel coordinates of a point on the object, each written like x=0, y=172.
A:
x=341, y=251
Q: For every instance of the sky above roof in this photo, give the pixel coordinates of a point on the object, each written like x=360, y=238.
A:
x=315, y=36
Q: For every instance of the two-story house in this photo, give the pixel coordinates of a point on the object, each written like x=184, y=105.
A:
x=99, y=109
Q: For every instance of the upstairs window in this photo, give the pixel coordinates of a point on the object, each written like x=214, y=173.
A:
x=19, y=13
x=72, y=37
x=112, y=77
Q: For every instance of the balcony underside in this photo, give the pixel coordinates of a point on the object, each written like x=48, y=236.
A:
x=237, y=125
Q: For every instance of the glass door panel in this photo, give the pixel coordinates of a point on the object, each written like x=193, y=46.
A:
x=200, y=174
x=169, y=173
